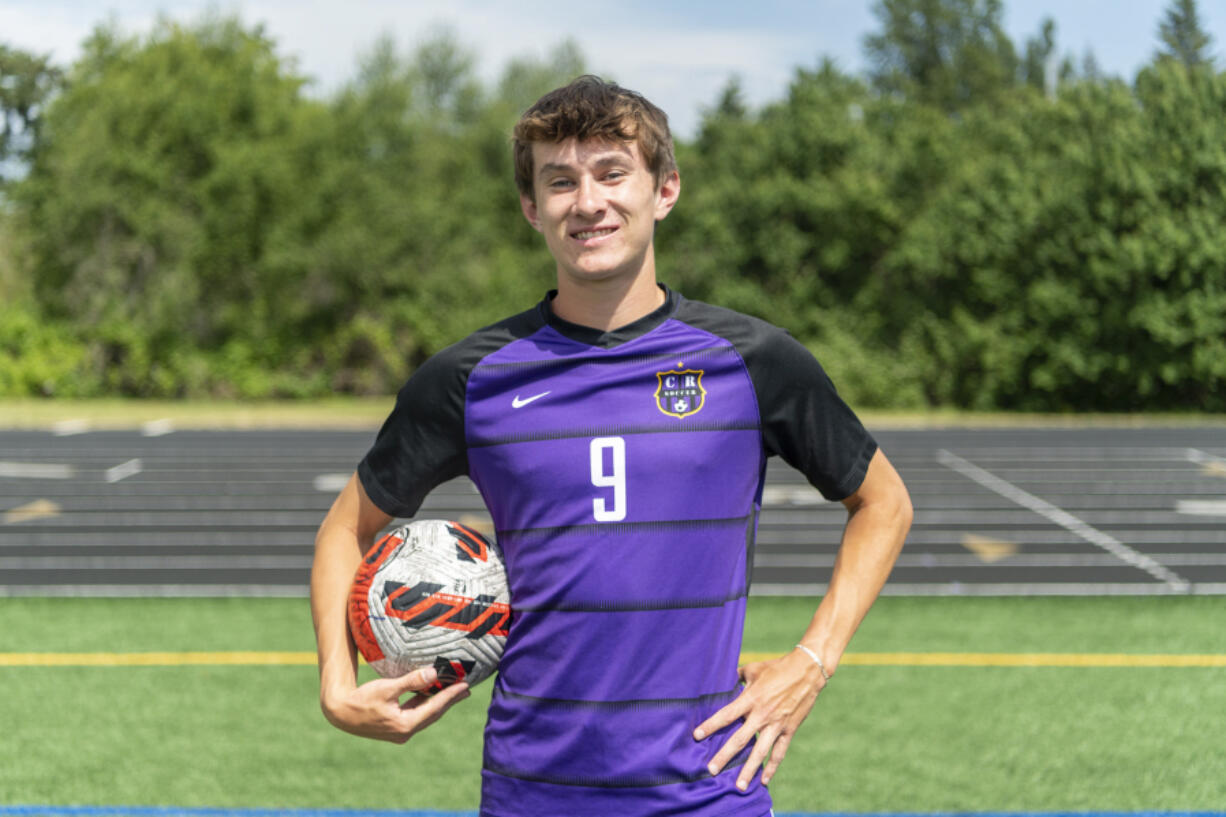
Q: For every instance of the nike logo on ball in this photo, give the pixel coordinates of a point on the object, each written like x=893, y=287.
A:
x=518, y=403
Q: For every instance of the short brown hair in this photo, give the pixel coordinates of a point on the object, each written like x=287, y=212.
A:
x=591, y=108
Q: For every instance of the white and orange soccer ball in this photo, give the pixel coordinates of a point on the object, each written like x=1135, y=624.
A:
x=432, y=593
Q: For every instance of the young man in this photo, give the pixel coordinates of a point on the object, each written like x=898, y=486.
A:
x=619, y=435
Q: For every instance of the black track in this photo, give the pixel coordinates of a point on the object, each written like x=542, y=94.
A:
x=1060, y=511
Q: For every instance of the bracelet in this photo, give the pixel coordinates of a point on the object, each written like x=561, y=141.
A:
x=820, y=666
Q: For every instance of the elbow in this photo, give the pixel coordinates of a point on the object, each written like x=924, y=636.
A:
x=903, y=512
x=895, y=514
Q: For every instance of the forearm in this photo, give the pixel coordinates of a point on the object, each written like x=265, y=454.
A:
x=779, y=693
x=374, y=709
x=337, y=555
x=872, y=539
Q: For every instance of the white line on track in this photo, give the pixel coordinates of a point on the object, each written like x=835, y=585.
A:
x=124, y=470
x=226, y=562
x=157, y=428
x=36, y=470
x=184, y=591
x=1001, y=589
x=1201, y=507
x=791, y=495
x=69, y=428
x=955, y=560
x=1064, y=519
x=331, y=483
x=1201, y=458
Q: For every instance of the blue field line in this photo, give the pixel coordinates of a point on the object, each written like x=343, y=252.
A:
x=174, y=811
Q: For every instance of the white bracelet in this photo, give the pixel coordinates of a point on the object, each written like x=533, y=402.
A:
x=820, y=666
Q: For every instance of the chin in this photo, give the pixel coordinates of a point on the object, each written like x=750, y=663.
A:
x=598, y=274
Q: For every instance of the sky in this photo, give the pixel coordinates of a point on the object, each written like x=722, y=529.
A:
x=679, y=54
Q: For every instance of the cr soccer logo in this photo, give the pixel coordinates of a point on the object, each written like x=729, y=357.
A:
x=680, y=393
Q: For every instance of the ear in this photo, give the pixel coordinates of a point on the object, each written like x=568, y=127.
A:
x=528, y=206
x=666, y=195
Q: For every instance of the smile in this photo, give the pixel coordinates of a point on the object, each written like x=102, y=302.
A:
x=586, y=234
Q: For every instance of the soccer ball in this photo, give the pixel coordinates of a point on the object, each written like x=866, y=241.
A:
x=431, y=593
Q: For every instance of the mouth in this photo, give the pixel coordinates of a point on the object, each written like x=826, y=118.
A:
x=588, y=235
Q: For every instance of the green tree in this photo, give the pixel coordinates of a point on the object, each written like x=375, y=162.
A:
x=413, y=235
x=442, y=70
x=731, y=103
x=162, y=169
x=27, y=82
x=787, y=213
x=945, y=53
x=1068, y=262
x=1183, y=36
x=1038, y=66
x=525, y=79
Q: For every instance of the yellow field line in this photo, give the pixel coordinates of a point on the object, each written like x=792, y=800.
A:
x=863, y=659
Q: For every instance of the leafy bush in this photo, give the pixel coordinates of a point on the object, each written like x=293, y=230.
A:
x=193, y=224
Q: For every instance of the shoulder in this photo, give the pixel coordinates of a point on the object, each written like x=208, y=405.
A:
x=721, y=320
x=422, y=441
x=803, y=419
x=757, y=341
x=451, y=366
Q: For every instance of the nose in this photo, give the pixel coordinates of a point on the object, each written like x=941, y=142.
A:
x=588, y=199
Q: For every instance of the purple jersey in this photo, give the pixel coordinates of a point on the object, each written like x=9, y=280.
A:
x=623, y=471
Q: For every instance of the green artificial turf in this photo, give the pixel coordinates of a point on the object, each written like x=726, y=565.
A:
x=880, y=739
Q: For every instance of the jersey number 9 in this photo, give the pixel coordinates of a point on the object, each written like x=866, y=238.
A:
x=614, y=478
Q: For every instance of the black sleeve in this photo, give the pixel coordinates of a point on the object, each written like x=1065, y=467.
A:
x=421, y=444
x=803, y=418
x=805, y=421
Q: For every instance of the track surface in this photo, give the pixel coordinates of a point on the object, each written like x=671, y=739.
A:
x=998, y=511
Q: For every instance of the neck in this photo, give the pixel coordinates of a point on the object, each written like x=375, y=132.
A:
x=607, y=304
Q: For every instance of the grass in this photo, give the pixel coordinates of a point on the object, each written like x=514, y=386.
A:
x=880, y=738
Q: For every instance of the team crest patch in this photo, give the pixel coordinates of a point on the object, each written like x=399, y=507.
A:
x=680, y=393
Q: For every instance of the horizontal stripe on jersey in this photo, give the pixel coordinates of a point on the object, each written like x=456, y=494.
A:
x=623, y=472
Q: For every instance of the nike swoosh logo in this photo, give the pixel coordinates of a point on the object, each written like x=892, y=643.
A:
x=517, y=403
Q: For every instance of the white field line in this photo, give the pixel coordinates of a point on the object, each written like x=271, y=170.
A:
x=1000, y=589
x=86, y=542
x=36, y=470
x=791, y=495
x=69, y=428
x=1201, y=507
x=1064, y=519
x=331, y=483
x=124, y=470
x=1201, y=458
x=155, y=562
x=179, y=591
x=157, y=428
x=947, y=560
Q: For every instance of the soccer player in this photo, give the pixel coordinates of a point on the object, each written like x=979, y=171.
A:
x=619, y=435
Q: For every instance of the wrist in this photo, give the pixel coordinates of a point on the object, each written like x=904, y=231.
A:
x=334, y=691
x=817, y=660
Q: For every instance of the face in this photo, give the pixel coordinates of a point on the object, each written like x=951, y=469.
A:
x=597, y=205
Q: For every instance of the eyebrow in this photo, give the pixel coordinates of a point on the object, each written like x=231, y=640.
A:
x=604, y=161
